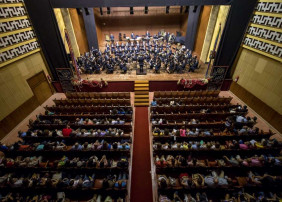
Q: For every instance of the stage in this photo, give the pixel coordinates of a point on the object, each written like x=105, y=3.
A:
x=163, y=75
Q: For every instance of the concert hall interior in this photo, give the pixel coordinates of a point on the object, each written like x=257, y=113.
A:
x=140, y=101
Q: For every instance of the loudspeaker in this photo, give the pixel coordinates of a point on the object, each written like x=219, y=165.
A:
x=108, y=10
x=146, y=10
x=167, y=9
x=131, y=11
x=101, y=10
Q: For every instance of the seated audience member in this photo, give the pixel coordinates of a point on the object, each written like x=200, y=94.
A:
x=154, y=103
x=67, y=131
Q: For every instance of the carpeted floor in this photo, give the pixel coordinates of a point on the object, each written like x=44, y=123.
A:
x=141, y=182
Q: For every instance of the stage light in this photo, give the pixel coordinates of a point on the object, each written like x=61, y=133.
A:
x=131, y=11
x=146, y=10
x=108, y=10
x=167, y=10
x=78, y=10
x=86, y=11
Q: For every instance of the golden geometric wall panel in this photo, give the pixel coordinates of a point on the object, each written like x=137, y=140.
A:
x=17, y=51
x=265, y=33
x=266, y=20
x=263, y=46
x=11, y=1
x=16, y=38
x=271, y=7
x=14, y=25
x=9, y=12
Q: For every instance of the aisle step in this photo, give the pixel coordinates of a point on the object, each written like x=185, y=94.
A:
x=141, y=100
x=141, y=85
x=141, y=81
x=141, y=93
x=140, y=88
x=142, y=96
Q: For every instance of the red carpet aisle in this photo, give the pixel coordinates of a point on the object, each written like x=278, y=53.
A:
x=141, y=182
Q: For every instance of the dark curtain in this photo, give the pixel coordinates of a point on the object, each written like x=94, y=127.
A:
x=46, y=28
x=233, y=33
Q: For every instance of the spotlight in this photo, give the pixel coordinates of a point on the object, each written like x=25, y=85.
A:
x=131, y=11
x=146, y=10
x=167, y=10
x=86, y=11
x=108, y=10
x=101, y=10
x=78, y=10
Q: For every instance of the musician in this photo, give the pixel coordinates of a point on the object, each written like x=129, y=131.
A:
x=141, y=61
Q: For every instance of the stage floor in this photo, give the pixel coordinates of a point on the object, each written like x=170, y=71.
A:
x=163, y=75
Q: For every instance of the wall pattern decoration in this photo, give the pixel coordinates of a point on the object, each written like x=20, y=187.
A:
x=17, y=38
x=15, y=52
x=9, y=12
x=263, y=46
x=14, y=25
x=11, y=1
x=271, y=7
x=271, y=21
x=264, y=34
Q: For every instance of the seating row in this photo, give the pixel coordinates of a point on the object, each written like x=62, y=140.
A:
x=105, y=95
x=194, y=100
x=182, y=94
x=80, y=101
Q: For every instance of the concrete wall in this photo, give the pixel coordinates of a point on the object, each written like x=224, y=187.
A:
x=13, y=86
x=261, y=76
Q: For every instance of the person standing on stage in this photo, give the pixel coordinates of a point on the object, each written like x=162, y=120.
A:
x=141, y=62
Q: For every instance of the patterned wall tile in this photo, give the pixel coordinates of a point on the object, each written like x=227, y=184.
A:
x=270, y=7
x=10, y=54
x=11, y=1
x=265, y=34
x=14, y=25
x=267, y=20
x=263, y=46
x=267, y=37
x=16, y=38
x=9, y=12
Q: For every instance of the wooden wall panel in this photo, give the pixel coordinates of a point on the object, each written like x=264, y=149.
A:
x=203, y=24
x=42, y=91
x=266, y=112
x=10, y=121
x=139, y=24
x=79, y=30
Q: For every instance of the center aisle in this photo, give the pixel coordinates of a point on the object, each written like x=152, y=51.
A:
x=141, y=182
